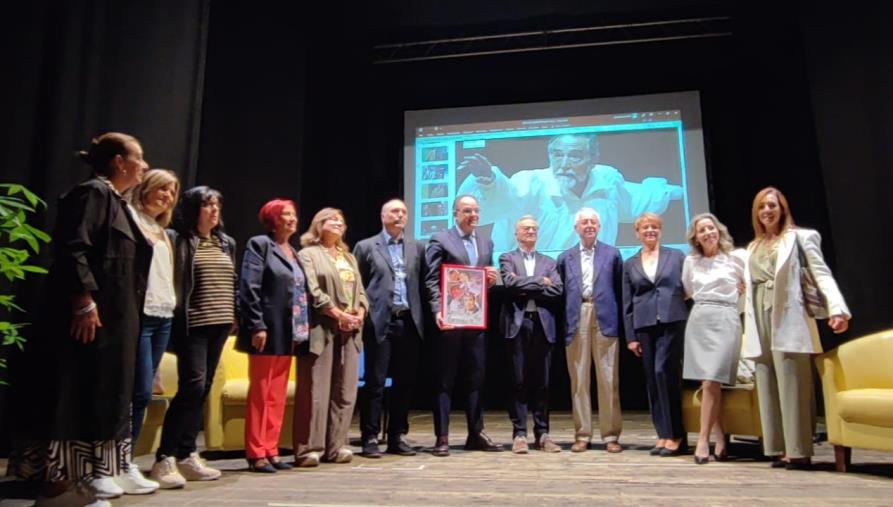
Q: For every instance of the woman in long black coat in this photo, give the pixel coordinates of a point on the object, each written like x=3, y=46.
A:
x=91, y=326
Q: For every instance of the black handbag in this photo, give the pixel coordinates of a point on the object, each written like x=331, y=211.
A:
x=815, y=302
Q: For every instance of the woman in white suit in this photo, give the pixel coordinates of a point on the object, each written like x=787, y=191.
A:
x=778, y=333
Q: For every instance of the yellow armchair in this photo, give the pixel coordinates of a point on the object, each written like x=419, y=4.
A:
x=150, y=436
x=225, y=408
x=857, y=383
x=740, y=412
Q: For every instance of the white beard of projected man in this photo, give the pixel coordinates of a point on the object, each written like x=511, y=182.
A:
x=554, y=194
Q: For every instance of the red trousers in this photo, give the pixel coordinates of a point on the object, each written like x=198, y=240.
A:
x=265, y=410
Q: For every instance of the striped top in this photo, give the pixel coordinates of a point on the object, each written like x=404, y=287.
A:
x=213, y=295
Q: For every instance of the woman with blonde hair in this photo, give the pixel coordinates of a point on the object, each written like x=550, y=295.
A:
x=779, y=334
x=713, y=277
x=328, y=362
x=654, y=315
x=152, y=203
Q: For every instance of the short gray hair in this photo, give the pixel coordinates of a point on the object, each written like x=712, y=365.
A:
x=526, y=217
x=586, y=211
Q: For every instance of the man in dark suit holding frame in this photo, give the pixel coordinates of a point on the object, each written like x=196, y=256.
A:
x=393, y=270
x=458, y=348
x=533, y=289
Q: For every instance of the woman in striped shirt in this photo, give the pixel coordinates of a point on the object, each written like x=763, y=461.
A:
x=205, y=283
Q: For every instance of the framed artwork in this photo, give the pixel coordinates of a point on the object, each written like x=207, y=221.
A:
x=463, y=296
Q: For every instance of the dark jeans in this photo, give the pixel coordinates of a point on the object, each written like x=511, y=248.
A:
x=662, y=359
x=529, y=354
x=154, y=335
x=197, y=356
x=457, y=350
x=397, y=354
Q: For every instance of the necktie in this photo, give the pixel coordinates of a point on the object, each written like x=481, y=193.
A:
x=468, y=239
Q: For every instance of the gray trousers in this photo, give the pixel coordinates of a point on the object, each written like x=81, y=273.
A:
x=787, y=402
x=325, y=395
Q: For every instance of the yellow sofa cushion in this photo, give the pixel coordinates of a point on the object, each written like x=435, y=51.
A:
x=235, y=392
x=873, y=407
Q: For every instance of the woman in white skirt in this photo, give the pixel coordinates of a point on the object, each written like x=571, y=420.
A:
x=713, y=277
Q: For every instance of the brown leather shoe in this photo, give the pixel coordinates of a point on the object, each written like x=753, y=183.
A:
x=441, y=447
x=613, y=447
x=580, y=446
x=519, y=445
x=545, y=444
x=481, y=442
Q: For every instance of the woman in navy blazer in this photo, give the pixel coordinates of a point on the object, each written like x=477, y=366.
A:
x=654, y=314
x=274, y=318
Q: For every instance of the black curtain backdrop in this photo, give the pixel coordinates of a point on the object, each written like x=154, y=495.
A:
x=270, y=99
x=76, y=69
x=252, y=136
x=846, y=56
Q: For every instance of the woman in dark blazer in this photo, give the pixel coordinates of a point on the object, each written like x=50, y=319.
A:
x=654, y=313
x=273, y=312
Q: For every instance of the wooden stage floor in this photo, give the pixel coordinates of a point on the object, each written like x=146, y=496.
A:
x=563, y=479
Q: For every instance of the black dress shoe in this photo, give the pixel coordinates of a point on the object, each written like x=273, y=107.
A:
x=399, y=447
x=481, y=442
x=701, y=460
x=655, y=451
x=278, y=464
x=370, y=449
x=260, y=466
x=723, y=456
x=441, y=447
x=778, y=463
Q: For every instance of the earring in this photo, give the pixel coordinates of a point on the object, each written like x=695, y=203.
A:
x=124, y=171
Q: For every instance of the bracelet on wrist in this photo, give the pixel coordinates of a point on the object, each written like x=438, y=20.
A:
x=87, y=309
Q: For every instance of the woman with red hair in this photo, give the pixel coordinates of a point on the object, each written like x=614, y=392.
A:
x=273, y=304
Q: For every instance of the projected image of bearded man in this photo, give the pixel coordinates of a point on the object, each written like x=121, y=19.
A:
x=573, y=180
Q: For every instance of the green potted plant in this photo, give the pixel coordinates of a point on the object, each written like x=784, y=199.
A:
x=19, y=241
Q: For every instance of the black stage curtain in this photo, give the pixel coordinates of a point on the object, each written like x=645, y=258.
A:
x=77, y=69
x=288, y=104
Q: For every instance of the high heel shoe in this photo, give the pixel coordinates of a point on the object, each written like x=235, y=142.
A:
x=278, y=464
x=798, y=464
x=656, y=451
x=699, y=460
x=722, y=456
x=667, y=452
x=260, y=466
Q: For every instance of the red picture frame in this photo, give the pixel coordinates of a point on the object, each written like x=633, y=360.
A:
x=463, y=296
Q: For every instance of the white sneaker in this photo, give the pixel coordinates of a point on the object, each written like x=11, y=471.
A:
x=79, y=495
x=133, y=482
x=167, y=476
x=311, y=459
x=194, y=468
x=106, y=487
x=344, y=455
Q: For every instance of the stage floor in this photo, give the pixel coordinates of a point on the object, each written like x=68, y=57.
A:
x=591, y=478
